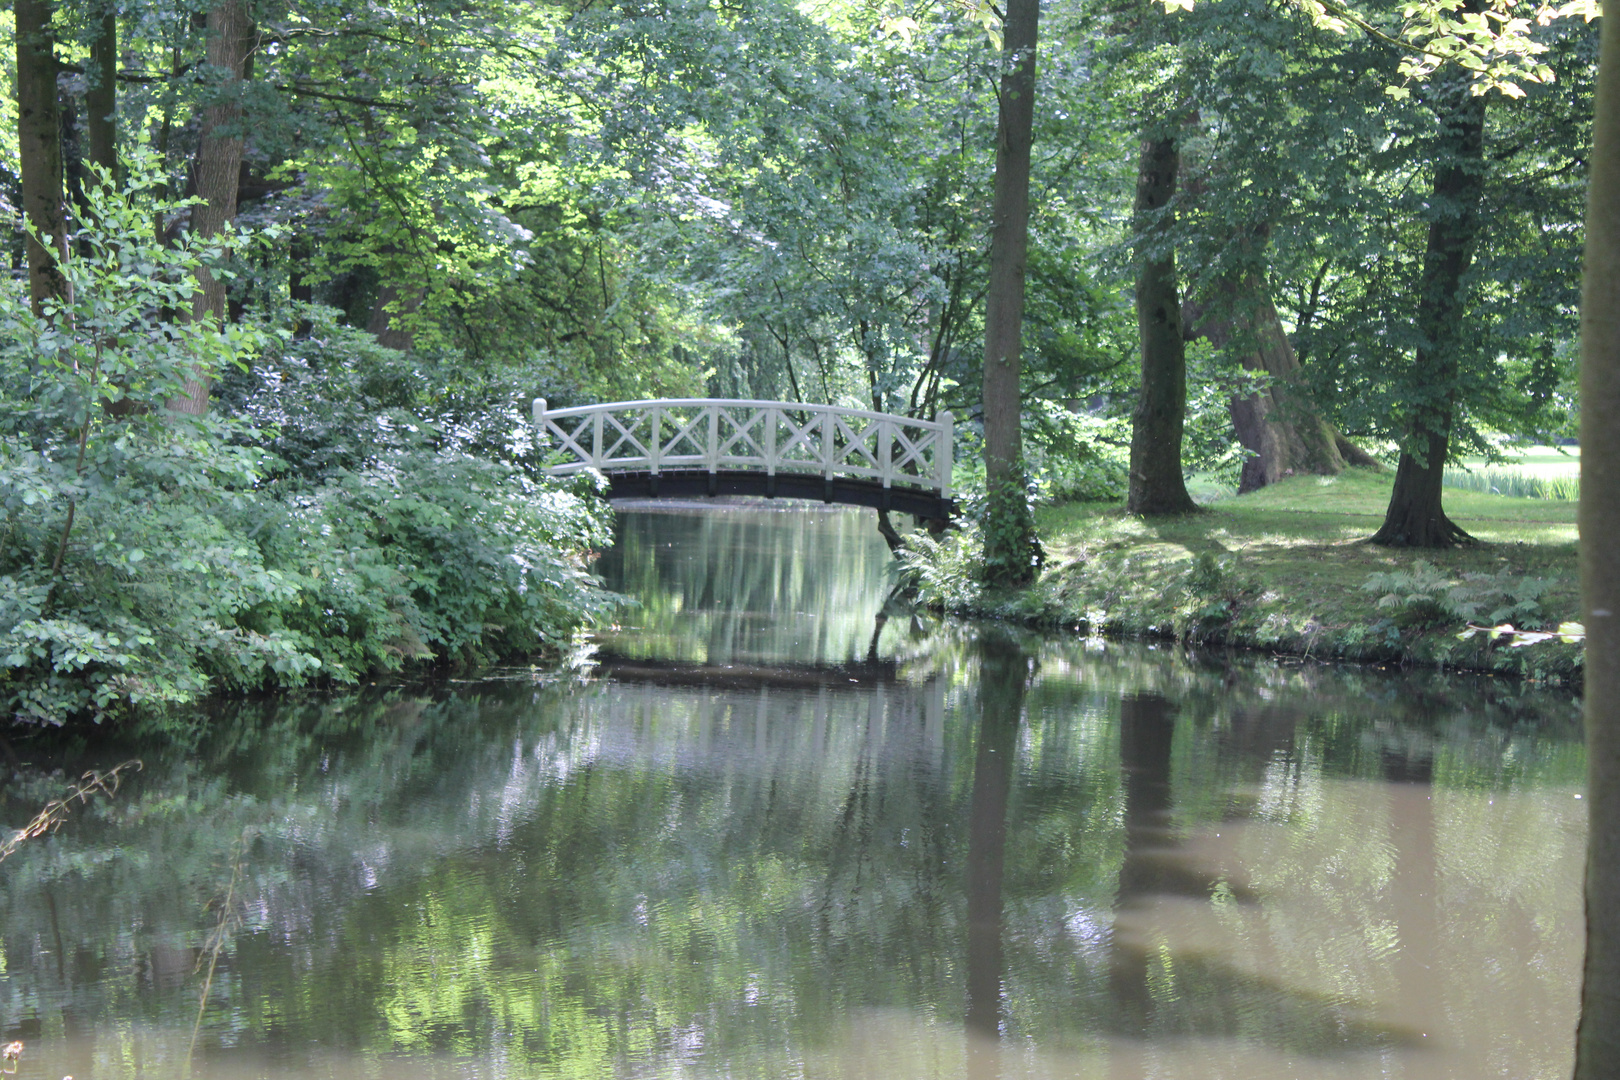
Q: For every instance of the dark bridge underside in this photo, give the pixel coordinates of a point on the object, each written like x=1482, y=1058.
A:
x=687, y=483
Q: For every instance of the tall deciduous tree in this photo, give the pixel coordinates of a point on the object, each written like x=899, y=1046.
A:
x=101, y=97
x=1415, y=517
x=1010, y=545
x=39, y=145
x=1597, y=1053
x=1156, y=483
x=218, y=169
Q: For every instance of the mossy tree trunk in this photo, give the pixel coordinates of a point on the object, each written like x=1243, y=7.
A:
x=1415, y=517
x=1597, y=1052
x=1156, y=484
x=1010, y=547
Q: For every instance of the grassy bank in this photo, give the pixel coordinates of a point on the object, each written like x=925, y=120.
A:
x=1284, y=569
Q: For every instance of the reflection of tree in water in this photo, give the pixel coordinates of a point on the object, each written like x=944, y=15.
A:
x=1147, y=725
x=1154, y=993
x=1003, y=670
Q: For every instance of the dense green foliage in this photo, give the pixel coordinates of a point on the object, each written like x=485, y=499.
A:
x=333, y=518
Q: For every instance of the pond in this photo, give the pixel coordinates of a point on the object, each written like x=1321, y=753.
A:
x=785, y=831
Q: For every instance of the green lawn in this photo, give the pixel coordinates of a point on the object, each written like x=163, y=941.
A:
x=1291, y=565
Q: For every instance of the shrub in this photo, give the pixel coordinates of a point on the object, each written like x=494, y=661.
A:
x=147, y=556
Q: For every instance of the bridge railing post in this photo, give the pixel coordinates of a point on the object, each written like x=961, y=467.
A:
x=942, y=453
x=829, y=438
x=596, y=443
x=771, y=417
x=711, y=454
x=886, y=451
x=655, y=448
x=541, y=437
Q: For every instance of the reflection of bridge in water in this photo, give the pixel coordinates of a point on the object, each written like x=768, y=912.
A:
x=747, y=676
x=764, y=723
x=677, y=447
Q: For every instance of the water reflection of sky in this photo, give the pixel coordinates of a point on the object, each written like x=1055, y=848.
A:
x=1157, y=866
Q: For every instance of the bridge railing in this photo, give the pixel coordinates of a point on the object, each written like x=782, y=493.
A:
x=719, y=434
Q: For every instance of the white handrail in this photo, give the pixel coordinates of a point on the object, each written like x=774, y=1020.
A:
x=714, y=434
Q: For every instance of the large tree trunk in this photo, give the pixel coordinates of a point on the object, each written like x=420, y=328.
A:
x=1279, y=426
x=1597, y=1044
x=1415, y=517
x=101, y=99
x=39, y=146
x=217, y=172
x=1010, y=550
x=1156, y=484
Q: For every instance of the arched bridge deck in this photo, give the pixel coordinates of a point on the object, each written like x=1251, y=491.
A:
x=676, y=447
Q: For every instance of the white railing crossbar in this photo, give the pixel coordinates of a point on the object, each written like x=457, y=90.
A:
x=714, y=434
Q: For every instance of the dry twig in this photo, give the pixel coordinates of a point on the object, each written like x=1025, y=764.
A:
x=56, y=811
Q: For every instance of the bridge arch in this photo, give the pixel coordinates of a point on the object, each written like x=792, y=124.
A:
x=672, y=447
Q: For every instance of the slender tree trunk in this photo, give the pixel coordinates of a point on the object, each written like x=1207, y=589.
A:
x=218, y=172
x=1278, y=425
x=1010, y=549
x=101, y=99
x=1156, y=483
x=39, y=145
x=1415, y=517
x=1597, y=1044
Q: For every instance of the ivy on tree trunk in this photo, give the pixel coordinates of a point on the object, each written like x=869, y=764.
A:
x=1011, y=551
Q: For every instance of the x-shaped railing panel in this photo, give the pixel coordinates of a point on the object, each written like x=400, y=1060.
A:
x=768, y=436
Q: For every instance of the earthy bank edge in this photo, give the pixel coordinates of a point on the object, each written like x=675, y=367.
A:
x=1284, y=571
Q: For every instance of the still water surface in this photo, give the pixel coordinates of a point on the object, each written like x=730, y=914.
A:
x=781, y=835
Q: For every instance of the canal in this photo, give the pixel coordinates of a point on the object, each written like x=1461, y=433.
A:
x=779, y=829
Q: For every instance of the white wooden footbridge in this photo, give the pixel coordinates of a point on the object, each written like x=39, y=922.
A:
x=680, y=447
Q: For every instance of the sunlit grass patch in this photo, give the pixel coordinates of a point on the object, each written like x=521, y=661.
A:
x=1536, y=472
